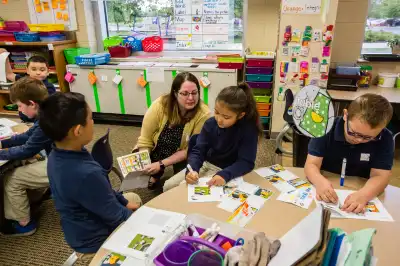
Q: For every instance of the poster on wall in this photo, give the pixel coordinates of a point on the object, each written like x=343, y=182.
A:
x=202, y=24
x=53, y=12
x=308, y=7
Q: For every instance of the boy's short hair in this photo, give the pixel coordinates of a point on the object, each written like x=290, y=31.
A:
x=374, y=109
x=28, y=89
x=37, y=59
x=60, y=112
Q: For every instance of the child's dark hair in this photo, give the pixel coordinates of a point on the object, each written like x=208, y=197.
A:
x=37, y=59
x=240, y=99
x=60, y=112
x=27, y=90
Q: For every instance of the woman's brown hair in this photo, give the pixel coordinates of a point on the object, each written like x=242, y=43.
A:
x=170, y=101
x=240, y=99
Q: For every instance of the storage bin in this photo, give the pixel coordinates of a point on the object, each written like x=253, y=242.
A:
x=92, y=59
x=120, y=51
x=260, y=85
x=260, y=70
x=53, y=38
x=6, y=36
x=264, y=112
x=253, y=77
x=387, y=80
x=263, y=106
x=348, y=70
x=153, y=44
x=46, y=27
x=230, y=65
x=264, y=119
x=15, y=26
x=262, y=98
x=260, y=63
x=27, y=36
x=112, y=41
x=136, y=44
x=231, y=59
x=71, y=53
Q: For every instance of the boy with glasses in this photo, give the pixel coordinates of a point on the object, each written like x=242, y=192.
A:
x=361, y=137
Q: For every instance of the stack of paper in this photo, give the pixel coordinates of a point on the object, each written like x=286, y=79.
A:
x=201, y=192
x=299, y=197
x=374, y=210
x=5, y=128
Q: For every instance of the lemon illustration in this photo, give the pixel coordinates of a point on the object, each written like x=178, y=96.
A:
x=316, y=117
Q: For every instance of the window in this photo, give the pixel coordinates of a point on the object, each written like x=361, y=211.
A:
x=383, y=25
x=182, y=24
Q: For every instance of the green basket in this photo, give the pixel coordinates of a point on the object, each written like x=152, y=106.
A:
x=71, y=53
x=262, y=99
x=112, y=41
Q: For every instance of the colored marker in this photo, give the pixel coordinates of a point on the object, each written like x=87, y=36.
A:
x=190, y=168
x=343, y=173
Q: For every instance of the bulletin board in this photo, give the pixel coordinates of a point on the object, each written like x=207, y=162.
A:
x=203, y=24
x=53, y=12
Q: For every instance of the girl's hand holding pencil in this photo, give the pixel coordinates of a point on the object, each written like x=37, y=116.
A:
x=192, y=177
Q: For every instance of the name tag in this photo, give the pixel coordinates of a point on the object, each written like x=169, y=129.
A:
x=365, y=157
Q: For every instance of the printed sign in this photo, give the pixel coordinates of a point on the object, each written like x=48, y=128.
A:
x=301, y=6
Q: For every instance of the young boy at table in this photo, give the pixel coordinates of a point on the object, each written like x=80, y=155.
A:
x=27, y=93
x=89, y=208
x=361, y=137
x=38, y=68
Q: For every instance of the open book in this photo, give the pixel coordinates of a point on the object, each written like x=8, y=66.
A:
x=132, y=166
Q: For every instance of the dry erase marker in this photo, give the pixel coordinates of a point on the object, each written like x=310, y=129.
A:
x=343, y=173
x=190, y=168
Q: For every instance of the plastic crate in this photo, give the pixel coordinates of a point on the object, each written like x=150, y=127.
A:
x=71, y=53
x=153, y=44
x=260, y=70
x=53, y=38
x=6, y=36
x=27, y=36
x=92, y=59
x=262, y=99
x=253, y=77
x=15, y=26
x=260, y=85
x=112, y=41
x=120, y=51
x=263, y=106
x=136, y=44
x=264, y=112
x=348, y=70
x=230, y=65
x=260, y=63
x=231, y=59
x=264, y=119
x=46, y=27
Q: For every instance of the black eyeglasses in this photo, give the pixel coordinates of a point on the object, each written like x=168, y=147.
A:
x=186, y=93
x=361, y=136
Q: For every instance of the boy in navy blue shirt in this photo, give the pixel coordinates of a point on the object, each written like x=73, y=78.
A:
x=38, y=68
x=89, y=208
x=27, y=93
x=361, y=137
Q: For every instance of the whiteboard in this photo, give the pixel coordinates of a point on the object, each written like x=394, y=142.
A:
x=53, y=12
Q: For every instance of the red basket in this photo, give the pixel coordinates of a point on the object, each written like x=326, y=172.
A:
x=120, y=51
x=152, y=44
x=16, y=26
x=7, y=36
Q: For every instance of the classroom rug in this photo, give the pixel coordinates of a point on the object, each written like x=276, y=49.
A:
x=47, y=246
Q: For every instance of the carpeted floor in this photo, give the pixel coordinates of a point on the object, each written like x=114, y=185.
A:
x=47, y=246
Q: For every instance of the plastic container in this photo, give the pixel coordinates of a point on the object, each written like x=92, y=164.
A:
x=53, y=38
x=260, y=62
x=15, y=26
x=260, y=70
x=27, y=36
x=6, y=36
x=387, y=80
x=398, y=83
x=71, y=53
x=120, y=51
x=264, y=112
x=253, y=77
x=46, y=27
x=348, y=70
x=260, y=85
x=153, y=44
x=262, y=99
x=92, y=59
x=231, y=59
x=112, y=41
x=136, y=44
x=365, y=77
x=263, y=106
x=230, y=65
x=205, y=257
x=179, y=252
x=264, y=119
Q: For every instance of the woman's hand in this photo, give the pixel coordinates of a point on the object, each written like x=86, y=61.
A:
x=152, y=169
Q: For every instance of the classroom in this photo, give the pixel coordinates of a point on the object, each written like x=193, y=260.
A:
x=199, y=132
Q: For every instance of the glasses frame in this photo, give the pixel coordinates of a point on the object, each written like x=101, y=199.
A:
x=361, y=136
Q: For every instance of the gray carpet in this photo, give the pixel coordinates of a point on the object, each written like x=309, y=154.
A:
x=47, y=246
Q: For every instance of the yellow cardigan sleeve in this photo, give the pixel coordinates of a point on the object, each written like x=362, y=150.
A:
x=150, y=125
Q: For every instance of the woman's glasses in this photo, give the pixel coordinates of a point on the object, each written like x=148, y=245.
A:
x=186, y=93
x=360, y=136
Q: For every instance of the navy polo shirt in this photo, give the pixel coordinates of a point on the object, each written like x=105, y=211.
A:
x=361, y=158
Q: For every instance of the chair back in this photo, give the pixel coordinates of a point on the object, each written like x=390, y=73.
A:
x=287, y=114
x=102, y=152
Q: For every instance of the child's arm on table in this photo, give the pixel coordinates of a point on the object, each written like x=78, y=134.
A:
x=317, y=148
x=244, y=164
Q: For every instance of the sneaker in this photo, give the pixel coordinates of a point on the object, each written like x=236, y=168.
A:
x=13, y=228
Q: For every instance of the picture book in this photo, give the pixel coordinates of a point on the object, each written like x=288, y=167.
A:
x=134, y=162
x=302, y=197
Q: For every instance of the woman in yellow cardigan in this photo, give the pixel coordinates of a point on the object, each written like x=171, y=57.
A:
x=168, y=125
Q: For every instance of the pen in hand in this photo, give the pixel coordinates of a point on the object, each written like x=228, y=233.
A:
x=192, y=172
x=343, y=173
